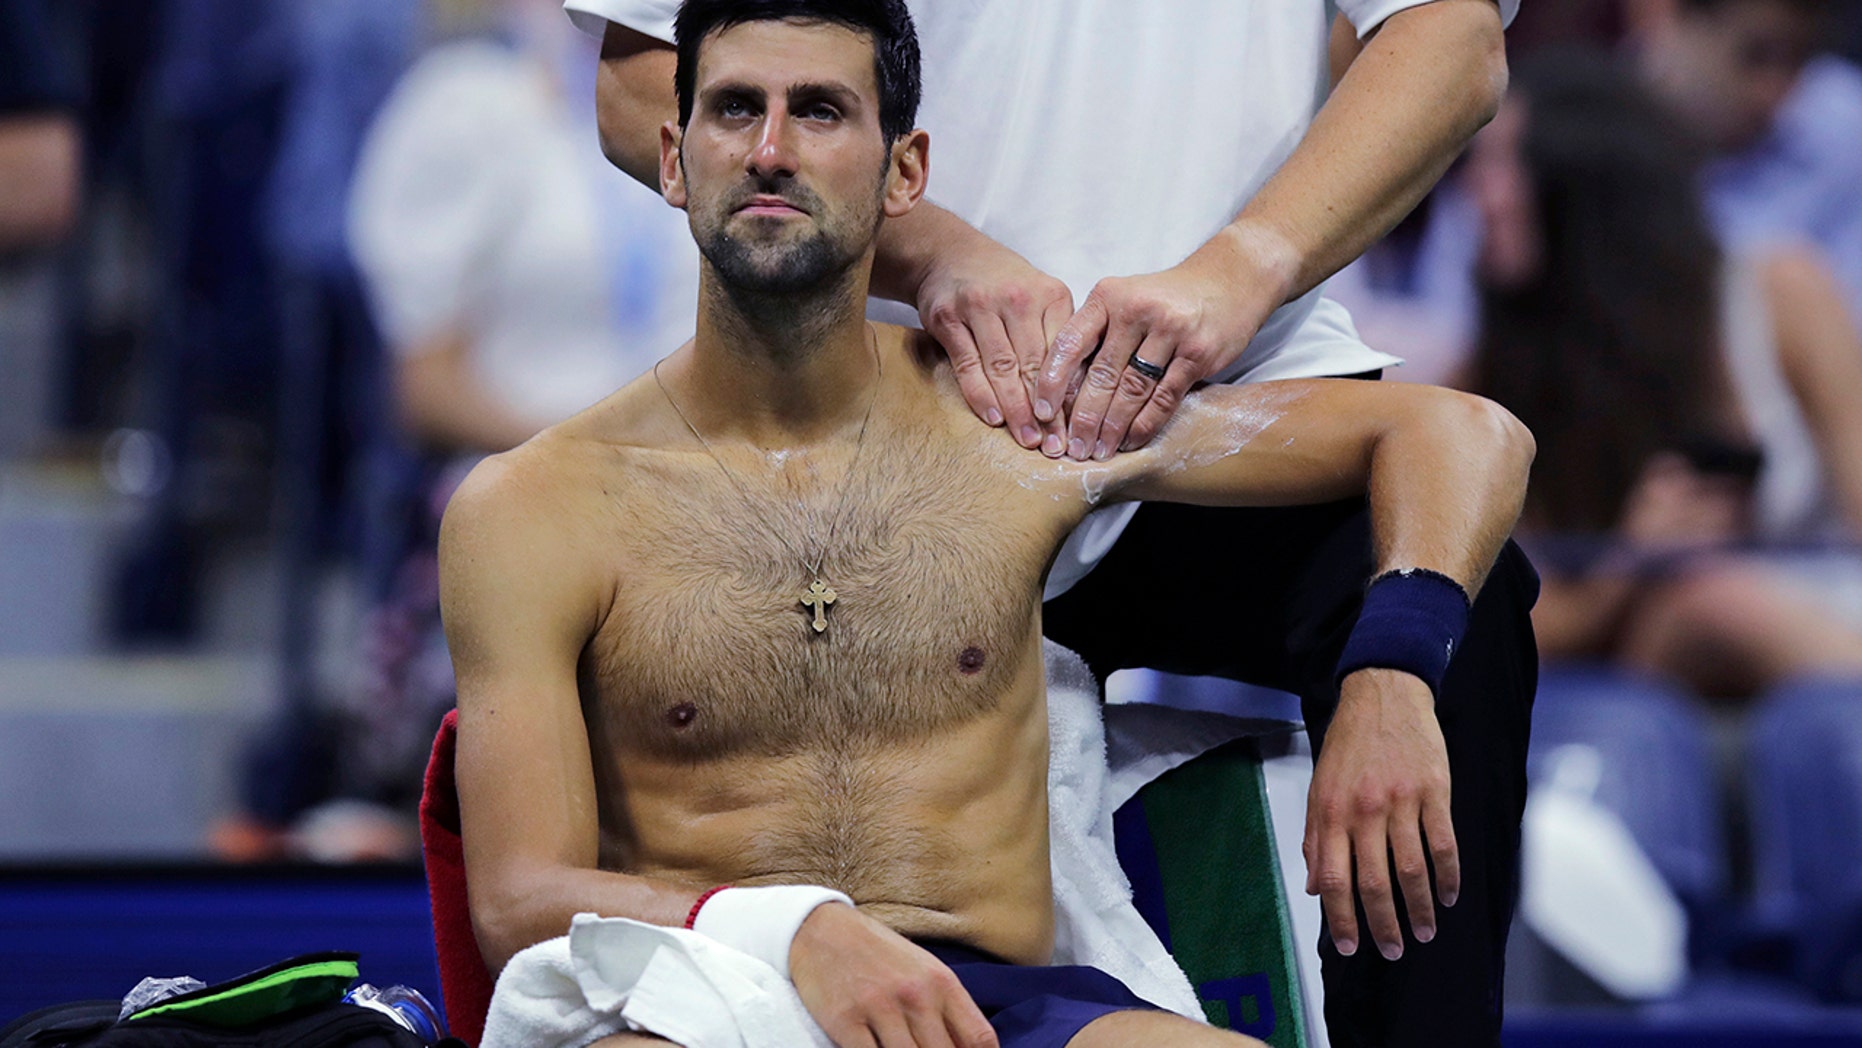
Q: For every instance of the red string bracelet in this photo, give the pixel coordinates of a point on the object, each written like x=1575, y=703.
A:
x=692, y=918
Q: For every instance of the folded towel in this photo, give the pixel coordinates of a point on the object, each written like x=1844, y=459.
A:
x=612, y=974
x=1095, y=922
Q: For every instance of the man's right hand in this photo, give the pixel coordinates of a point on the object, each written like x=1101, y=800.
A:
x=870, y=987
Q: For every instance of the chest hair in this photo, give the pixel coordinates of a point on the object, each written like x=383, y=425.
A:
x=709, y=651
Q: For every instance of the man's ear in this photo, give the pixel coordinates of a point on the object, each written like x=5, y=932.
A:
x=910, y=169
x=671, y=174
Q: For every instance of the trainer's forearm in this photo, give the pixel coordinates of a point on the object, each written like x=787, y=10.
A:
x=1428, y=79
x=910, y=246
x=1446, y=488
x=633, y=97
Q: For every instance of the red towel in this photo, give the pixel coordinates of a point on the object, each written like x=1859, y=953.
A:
x=465, y=985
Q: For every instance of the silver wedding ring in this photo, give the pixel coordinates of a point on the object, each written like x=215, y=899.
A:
x=1146, y=368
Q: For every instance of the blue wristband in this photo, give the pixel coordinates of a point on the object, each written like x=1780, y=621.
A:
x=1412, y=620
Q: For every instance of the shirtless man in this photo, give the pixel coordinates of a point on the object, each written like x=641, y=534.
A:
x=656, y=697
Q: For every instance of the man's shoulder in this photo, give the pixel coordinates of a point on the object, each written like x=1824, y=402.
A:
x=528, y=487
x=928, y=366
x=565, y=473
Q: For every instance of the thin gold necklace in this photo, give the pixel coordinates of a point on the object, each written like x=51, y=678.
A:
x=819, y=594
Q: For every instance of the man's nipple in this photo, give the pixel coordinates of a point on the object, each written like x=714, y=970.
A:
x=682, y=715
x=972, y=659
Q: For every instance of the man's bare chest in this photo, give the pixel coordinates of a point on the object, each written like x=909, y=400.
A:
x=711, y=646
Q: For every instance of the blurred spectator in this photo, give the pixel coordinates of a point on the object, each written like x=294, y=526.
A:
x=342, y=476
x=517, y=278
x=40, y=166
x=1684, y=399
x=1780, y=118
x=39, y=140
x=208, y=388
x=1746, y=81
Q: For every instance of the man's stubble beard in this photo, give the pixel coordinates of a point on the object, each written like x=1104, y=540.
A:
x=798, y=286
x=776, y=269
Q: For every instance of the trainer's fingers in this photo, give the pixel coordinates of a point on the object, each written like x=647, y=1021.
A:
x=1133, y=392
x=1053, y=320
x=1372, y=849
x=1078, y=336
x=1052, y=415
x=1165, y=399
x=966, y=362
x=1004, y=373
x=1028, y=335
x=1440, y=831
x=1101, y=385
x=1412, y=875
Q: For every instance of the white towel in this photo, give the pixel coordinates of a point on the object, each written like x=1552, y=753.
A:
x=1095, y=922
x=612, y=974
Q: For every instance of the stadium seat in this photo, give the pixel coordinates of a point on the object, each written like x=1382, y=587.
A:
x=1657, y=771
x=1805, y=788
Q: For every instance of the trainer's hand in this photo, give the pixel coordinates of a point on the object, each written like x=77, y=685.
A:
x=1192, y=320
x=995, y=315
x=1379, y=798
x=869, y=987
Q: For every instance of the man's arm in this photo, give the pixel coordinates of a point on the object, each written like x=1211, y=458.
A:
x=1424, y=83
x=519, y=604
x=993, y=313
x=1445, y=471
x=1446, y=475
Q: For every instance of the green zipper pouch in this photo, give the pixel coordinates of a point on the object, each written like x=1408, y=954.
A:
x=297, y=982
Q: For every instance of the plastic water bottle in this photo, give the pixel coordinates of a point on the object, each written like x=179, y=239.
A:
x=403, y=1004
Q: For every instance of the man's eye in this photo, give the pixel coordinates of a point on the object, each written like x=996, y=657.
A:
x=732, y=108
x=821, y=111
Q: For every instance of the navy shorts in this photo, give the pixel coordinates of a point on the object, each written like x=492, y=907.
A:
x=1035, y=1007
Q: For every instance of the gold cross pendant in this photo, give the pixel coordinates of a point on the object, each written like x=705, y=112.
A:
x=818, y=597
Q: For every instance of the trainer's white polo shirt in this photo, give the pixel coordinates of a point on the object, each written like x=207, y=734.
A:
x=1114, y=137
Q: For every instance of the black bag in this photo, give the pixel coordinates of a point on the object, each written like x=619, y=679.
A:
x=296, y=1003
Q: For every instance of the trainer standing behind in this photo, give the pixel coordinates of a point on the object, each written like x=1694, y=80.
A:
x=1200, y=143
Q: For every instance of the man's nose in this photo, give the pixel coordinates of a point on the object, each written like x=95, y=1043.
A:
x=773, y=153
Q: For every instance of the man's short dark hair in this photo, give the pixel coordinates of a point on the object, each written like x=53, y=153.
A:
x=888, y=22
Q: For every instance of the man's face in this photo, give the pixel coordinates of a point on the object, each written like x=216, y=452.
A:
x=782, y=169
x=1727, y=69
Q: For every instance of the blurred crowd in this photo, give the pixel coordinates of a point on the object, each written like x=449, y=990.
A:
x=284, y=268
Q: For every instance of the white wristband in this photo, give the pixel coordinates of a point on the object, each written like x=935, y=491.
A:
x=762, y=922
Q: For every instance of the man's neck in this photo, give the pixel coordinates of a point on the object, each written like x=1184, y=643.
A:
x=781, y=370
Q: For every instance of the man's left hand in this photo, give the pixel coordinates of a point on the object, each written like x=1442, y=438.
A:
x=1191, y=320
x=1379, y=803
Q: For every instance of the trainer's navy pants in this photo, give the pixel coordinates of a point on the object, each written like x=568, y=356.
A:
x=1268, y=596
